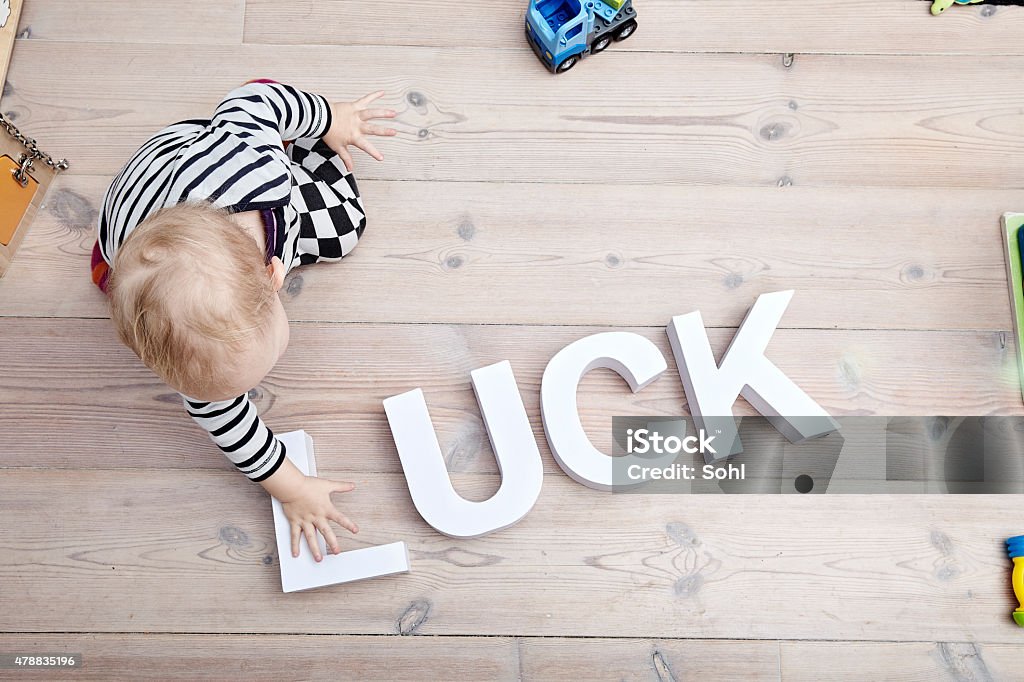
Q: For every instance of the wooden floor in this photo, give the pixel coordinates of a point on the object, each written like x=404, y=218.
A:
x=688, y=168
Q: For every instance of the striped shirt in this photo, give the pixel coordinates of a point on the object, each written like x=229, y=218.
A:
x=237, y=161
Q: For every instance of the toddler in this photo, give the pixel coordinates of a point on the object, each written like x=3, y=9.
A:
x=196, y=235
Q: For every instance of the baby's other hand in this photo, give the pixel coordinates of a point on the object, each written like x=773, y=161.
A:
x=310, y=510
x=350, y=126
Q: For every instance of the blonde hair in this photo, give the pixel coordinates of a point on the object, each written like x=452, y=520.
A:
x=188, y=286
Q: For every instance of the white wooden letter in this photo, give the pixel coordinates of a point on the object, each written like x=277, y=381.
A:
x=515, y=449
x=303, y=572
x=711, y=390
x=634, y=357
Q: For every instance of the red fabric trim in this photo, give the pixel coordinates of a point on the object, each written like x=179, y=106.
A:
x=100, y=269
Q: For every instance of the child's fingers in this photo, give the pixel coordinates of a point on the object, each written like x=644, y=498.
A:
x=296, y=533
x=342, y=486
x=368, y=147
x=366, y=99
x=370, y=129
x=310, y=532
x=332, y=540
x=346, y=158
x=344, y=522
x=367, y=114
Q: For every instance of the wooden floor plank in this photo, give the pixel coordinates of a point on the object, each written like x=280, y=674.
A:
x=355, y=657
x=276, y=657
x=651, y=118
x=829, y=26
x=820, y=26
x=910, y=661
x=134, y=21
x=857, y=258
x=198, y=556
x=621, y=659
x=73, y=397
x=625, y=659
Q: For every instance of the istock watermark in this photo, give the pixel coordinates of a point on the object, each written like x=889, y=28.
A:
x=876, y=454
x=644, y=441
x=647, y=441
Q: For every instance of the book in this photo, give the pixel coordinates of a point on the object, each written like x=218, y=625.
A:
x=1010, y=233
x=303, y=572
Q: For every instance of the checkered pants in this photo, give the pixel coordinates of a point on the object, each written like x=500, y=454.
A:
x=324, y=201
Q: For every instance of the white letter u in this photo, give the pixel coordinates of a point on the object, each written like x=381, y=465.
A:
x=515, y=449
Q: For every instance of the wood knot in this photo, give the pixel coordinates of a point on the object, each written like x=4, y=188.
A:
x=773, y=132
x=682, y=534
x=661, y=667
x=294, y=285
x=413, y=617
x=466, y=230
x=963, y=661
x=937, y=427
x=849, y=372
x=234, y=536
x=261, y=397
x=72, y=210
x=689, y=585
x=941, y=542
x=463, y=558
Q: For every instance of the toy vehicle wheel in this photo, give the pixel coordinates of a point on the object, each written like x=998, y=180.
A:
x=625, y=31
x=567, y=64
x=601, y=44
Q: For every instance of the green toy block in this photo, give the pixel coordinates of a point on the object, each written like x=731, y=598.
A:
x=615, y=4
x=1018, y=618
x=1011, y=225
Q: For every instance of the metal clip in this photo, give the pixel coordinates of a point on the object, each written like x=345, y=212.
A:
x=21, y=174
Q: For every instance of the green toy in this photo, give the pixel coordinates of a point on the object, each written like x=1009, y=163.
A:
x=1012, y=235
x=940, y=6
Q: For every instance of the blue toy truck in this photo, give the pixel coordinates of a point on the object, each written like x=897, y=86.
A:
x=561, y=32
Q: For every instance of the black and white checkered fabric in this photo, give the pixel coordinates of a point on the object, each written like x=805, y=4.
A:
x=325, y=203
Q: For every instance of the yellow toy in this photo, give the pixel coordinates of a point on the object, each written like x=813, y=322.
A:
x=940, y=6
x=1015, y=548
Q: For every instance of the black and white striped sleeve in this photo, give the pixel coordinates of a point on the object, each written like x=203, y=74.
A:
x=238, y=161
x=272, y=112
x=238, y=431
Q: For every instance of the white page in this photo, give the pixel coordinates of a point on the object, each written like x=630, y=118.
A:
x=303, y=572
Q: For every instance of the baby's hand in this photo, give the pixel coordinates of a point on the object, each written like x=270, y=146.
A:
x=310, y=509
x=349, y=127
